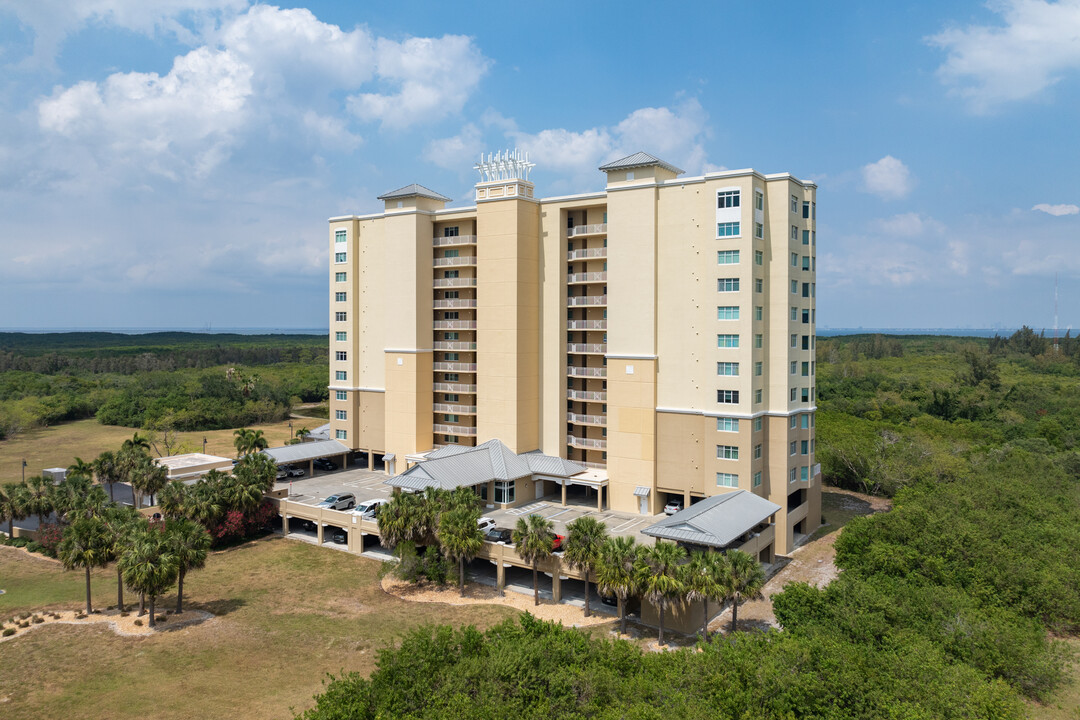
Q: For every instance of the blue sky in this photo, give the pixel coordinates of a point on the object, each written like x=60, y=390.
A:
x=173, y=164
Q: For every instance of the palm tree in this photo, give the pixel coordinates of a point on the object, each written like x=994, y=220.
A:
x=706, y=579
x=81, y=469
x=78, y=496
x=745, y=580
x=137, y=442
x=584, y=539
x=12, y=505
x=616, y=573
x=149, y=566
x=258, y=469
x=107, y=471
x=249, y=441
x=121, y=523
x=39, y=498
x=302, y=433
x=401, y=519
x=130, y=460
x=172, y=500
x=86, y=544
x=534, y=541
x=460, y=538
x=237, y=494
x=190, y=544
x=203, y=503
x=660, y=577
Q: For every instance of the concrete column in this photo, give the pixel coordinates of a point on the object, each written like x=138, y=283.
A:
x=564, y=493
x=556, y=585
x=319, y=530
x=491, y=493
x=686, y=499
x=310, y=467
x=599, y=498
x=284, y=524
x=344, y=461
x=500, y=577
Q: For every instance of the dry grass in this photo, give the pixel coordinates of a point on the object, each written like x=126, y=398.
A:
x=1065, y=703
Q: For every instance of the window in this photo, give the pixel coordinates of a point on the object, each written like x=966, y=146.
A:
x=729, y=369
x=757, y=424
x=629, y=174
x=727, y=312
x=757, y=397
x=757, y=479
x=727, y=480
x=339, y=296
x=450, y=418
x=727, y=199
x=450, y=336
x=795, y=287
x=759, y=257
x=806, y=369
x=727, y=397
x=341, y=355
x=813, y=237
x=813, y=211
x=793, y=365
x=793, y=447
x=726, y=424
x=805, y=342
x=804, y=473
x=340, y=316
x=759, y=340
x=451, y=357
x=791, y=475
x=341, y=415
x=794, y=259
x=792, y=393
x=727, y=257
x=806, y=209
x=794, y=204
x=451, y=439
x=792, y=422
x=451, y=273
x=450, y=377
x=758, y=368
x=339, y=277
x=341, y=375
x=805, y=289
x=794, y=314
x=450, y=397
x=806, y=394
x=727, y=341
x=757, y=451
x=794, y=341
x=805, y=237
x=450, y=231
x=340, y=236
x=451, y=253
x=341, y=434
x=759, y=231
x=505, y=489
x=759, y=285
x=759, y=200
x=339, y=257
x=805, y=262
x=727, y=229
x=806, y=316
x=813, y=289
x=340, y=335
x=727, y=285
x=450, y=315
x=804, y=421
x=341, y=395
x=804, y=447
x=794, y=233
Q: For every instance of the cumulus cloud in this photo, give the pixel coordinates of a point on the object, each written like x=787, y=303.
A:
x=1057, y=210
x=1038, y=44
x=888, y=178
x=910, y=224
x=456, y=152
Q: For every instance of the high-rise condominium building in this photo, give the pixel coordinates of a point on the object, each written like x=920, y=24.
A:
x=659, y=331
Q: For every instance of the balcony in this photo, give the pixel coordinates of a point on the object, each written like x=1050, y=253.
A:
x=586, y=348
x=587, y=254
x=457, y=240
x=455, y=261
x=587, y=395
x=455, y=388
x=586, y=324
x=454, y=324
x=576, y=419
x=452, y=345
x=587, y=301
x=586, y=443
x=459, y=409
x=587, y=372
x=466, y=430
x=455, y=367
x=587, y=464
x=452, y=303
x=586, y=277
x=579, y=230
x=455, y=282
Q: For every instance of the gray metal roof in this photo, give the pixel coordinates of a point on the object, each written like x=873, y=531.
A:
x=715, y=521
x=413, y=191
x=642, y=491
x=639, y=159
x=301, y=452
x=320, y=433
x=542, y=464
x=457, y=466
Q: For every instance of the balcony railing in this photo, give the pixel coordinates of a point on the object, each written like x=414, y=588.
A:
x=587, y=395
x=579, y=230
x=455, y=282
x=455, y=388
x=586, y=277
x=588, y=464
x=455, y=303
x=586, y=324
x=456, y=240
x=577, y=419
x=452, y=345
x=587, y=443
x=451, y=261
x=586, y=300
x=586, y=372
x=586, y=348
x=586, y=254
x=455, y=324
x=459, y=409
x=455, y=367
x=465, y=430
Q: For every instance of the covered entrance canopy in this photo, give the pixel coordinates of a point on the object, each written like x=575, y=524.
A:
x=719, y=521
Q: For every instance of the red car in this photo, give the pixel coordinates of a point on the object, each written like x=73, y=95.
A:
x=556, y=541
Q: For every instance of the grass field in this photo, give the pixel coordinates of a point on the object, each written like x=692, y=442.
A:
x=287, y=613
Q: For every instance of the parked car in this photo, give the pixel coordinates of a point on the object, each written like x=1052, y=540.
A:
x=673, y=506
x=609, y=600
x=556, y=541
x=485, y=524
x=282, y=473
x=369, y=508
x=324, y=464
x=500, y=535
x=300, y=524
x=340, y=536
x=339, y=501
x=292, y=471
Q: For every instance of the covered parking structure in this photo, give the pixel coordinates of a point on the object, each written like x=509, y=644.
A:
x=309, y=452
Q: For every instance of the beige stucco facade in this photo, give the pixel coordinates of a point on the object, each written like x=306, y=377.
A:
x=661, y=329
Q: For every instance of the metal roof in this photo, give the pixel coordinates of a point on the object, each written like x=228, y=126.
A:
x=639, y=159
x=642, y=491
x=302, y=452
x=542, y=464
x=413, y=191
x=715, y=521
x=455, y=466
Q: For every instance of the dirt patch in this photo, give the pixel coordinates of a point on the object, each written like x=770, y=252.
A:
x=119, y=624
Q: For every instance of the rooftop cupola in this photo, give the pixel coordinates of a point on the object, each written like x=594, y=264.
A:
x=639, y=166
x=414, y=197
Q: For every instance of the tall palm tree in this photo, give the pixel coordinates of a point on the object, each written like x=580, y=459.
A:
x=616, y=573
x=137, y=442
x=706, y=579
x=745, y=579
x=149, y=566
x=78, y=496
x=661, y=577
x=107, y=471
x=302, y=434
x=534, y=541
x=12, y=505
x=584, y=539
x=400, y=520
x=130, y=460
x=203, y=503
x=121, y=523
x=39, y=498
x=81, y=469
x=237, y=494
x=172, y=500
x=460, y=538
x=86, y=544
x=190, y=544
x=248, y=441
x=258, y=469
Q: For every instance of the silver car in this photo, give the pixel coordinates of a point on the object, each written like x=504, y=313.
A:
x=340, y=501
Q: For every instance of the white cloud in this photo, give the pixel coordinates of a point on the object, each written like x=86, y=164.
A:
x=1057, y=210
x=909, y=225
x=991, y=65
x=888, y=178
x=457, y=152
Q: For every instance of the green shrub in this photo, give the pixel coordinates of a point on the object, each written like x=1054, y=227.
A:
x=24, y=624
x=138, y=623
x=37, y=620
x=8, y=632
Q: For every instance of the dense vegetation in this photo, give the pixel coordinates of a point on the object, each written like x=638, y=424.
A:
x=160, y=381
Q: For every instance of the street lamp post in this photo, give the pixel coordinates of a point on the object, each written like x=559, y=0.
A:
x=204, y=446
x=24, y=470
x=290, y=430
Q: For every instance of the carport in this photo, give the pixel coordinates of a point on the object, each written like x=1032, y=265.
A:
x=308, y=452
x=589, y=479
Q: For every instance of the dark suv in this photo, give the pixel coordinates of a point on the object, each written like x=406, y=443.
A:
x=498, y=534
x=324, y=464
